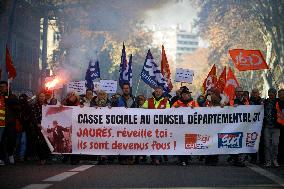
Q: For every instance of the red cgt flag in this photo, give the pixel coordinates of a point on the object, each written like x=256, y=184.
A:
x=222, y=80
x=165, y=69
x=248, y=59
x=211, y=80
x=231, y=84
x=9, y=65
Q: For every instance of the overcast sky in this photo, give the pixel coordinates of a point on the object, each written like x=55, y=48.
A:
x=171, y=14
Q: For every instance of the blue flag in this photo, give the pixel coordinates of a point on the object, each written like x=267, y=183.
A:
x=92, y=73
x=151, y=74
x=124, y=69
x=129, y=73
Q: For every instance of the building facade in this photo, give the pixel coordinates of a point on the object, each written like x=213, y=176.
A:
x=177, y=42
x=186, y=42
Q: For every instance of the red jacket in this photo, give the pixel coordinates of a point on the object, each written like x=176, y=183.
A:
x=280, y=117
x=179, y=103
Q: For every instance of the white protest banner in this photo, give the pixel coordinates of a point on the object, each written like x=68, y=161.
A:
x=184, y=75
x=78, y=86
x=173, y=131
x=109, y=86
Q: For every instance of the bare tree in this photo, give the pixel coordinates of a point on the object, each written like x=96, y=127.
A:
x=256, y=24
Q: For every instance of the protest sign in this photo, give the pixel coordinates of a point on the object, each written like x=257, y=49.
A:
x=97, y=86
x=109, y=86
x=78, y=86
x=184, y=75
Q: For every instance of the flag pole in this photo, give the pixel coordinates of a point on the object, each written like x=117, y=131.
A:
x=8, y=82
x=137, y=86
x=97, y=59
x=8, y=86
x=274, y=80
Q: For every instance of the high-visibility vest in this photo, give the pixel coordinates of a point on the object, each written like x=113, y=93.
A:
x=2, y=111
x=179, y=103
x=280, y=116
x=162, y=104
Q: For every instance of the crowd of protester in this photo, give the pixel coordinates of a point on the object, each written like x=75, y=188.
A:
x=21, y=138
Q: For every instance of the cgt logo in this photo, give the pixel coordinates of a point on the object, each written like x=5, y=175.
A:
x=197, y=141
x=230, y=140
x=251, y=139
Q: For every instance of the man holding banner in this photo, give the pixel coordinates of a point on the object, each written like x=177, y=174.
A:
x=271, y=128
x=215, y=101
x=255, y=99
x=238, y=100
x=185, y=101
x=127, y=101
x=157, y=102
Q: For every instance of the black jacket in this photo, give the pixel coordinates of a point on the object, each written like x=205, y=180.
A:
x=270, y=113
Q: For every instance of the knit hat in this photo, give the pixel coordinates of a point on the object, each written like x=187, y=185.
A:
x=185, y=90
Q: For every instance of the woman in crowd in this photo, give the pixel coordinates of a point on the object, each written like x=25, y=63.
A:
x=101, y=100
x=72, y=99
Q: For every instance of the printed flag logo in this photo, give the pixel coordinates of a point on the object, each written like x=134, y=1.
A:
x=92, y=73
x=248, y=59
x=231, y=84
x=211, y=80
x=125, y=69
x=222, y=81
x=251, y=139
x=129, y=71
x=151, y=74
x=230, y=140
x=197, y=141
x=165, y=69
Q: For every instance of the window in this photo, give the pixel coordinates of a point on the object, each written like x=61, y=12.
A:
x=56, y=37
x=187, y=42
x=186, y=36
x=186, y=49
